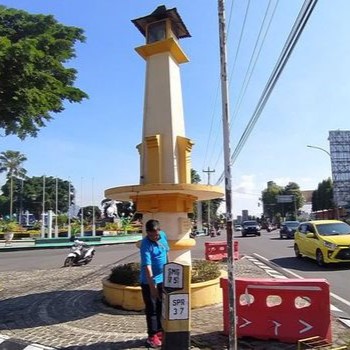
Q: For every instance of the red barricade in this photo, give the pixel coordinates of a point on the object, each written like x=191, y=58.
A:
x=218, y=250
x=282, y=309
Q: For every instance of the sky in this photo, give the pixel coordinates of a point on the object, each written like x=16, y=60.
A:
x=93, y=143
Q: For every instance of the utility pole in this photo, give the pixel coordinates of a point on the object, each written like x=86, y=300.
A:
x=208, y=202
x=232, y=337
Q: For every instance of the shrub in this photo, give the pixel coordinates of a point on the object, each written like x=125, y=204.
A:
x=9, y=226
x=111, y=226
x=204, y=270
x=129, y=274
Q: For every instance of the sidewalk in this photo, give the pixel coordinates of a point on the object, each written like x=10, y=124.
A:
x=63, y=308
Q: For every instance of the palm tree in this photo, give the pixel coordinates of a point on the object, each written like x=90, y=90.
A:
x=11, y=162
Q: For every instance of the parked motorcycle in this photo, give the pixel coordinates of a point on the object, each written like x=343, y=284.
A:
x=80, y=254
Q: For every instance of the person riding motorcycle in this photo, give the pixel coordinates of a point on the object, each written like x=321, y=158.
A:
x=82, y=244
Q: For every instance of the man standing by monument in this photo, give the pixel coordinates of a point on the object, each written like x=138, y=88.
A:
x=154, y=254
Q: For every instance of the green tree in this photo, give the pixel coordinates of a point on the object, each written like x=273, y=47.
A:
x=11, y=163
x=214, y=203
x=34, y=80
x=30, y=197
x=269, y=199
x=88, y=213
x=195, y=178
x=322, y=198
x=275, y=210
x=298, y=200
x=214, y=206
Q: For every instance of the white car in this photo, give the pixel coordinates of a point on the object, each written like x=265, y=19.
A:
x=238, y=228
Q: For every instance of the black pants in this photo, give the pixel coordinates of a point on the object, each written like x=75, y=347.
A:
x=153, y=309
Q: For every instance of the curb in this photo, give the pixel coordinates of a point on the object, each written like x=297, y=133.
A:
x=271, y=271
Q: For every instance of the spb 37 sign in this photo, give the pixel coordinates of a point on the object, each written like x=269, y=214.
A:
x=178, y=307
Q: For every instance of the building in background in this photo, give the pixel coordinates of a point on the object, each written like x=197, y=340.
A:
x=339, y=144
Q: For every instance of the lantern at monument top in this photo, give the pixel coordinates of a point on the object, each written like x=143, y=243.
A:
x=162, y=29
x=161, y=24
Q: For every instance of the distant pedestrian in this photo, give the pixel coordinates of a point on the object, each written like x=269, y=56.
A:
x=154, y=255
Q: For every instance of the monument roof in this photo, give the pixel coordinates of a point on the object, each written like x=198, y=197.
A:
x=161, y=12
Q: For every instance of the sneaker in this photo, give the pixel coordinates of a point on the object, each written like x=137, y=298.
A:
x=153, y=341
x=160, y=335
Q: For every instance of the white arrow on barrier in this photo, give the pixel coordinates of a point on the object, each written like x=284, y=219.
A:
x=277, y=324
x=246, y=323
x=307, y=326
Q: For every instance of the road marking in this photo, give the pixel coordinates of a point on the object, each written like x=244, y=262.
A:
x=9, y=343
x=3, y=338
x=345, y=321
x=335, y=296
x=270, y=271
x=37, y=347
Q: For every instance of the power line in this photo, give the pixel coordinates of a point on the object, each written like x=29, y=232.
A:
x=246, y=80
x=292, y=39
x=251, y=64
x=235, y=60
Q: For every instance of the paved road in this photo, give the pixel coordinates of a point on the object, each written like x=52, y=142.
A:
x=26, y=260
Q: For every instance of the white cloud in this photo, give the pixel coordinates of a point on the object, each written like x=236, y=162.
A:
x=246, y=186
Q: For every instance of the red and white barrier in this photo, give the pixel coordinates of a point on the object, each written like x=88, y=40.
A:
x=282, y=309
x=218, y=250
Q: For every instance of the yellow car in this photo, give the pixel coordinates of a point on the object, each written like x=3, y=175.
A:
x=326, y=241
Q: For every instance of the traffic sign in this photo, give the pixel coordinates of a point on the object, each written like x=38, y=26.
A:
x=178, y=307
x=288, y=198
x=173, y=276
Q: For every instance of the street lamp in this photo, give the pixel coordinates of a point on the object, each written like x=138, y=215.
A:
x=81, y=209
x=320, y=149
x=56, y=218
x=69, y=205
x=43, y=212
x=21, y=203
x=93, y=209
x=323, y=150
